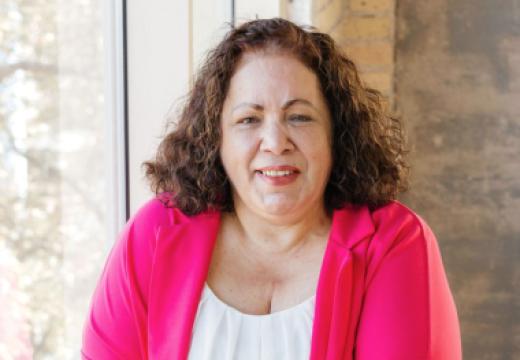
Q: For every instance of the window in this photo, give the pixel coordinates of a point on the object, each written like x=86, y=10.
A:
x=60, y=133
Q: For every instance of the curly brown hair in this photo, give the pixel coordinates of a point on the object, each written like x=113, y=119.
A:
x=368, y=144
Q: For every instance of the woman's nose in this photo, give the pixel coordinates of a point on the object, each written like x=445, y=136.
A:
x=275, y=137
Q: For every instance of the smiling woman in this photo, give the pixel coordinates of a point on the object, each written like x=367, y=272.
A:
x=275, y=233
x=367, y=142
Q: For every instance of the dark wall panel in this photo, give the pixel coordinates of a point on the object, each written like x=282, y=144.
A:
x=457, y=86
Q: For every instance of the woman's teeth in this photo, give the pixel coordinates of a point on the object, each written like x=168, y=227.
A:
x=277, y=172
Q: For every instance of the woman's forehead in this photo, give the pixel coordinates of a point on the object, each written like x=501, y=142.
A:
x=270, y=61
x=259, y=76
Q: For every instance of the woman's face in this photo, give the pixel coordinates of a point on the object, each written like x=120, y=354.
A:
x=276, y=137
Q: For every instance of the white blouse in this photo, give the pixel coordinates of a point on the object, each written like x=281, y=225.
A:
x=224, y=333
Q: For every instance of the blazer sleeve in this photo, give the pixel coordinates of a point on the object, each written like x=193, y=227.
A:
x=116, y=324
x=408, y=310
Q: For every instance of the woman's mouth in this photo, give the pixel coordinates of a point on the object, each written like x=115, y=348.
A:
x=278, y=175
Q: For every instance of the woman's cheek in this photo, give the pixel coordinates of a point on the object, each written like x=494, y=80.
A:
x=245, y=140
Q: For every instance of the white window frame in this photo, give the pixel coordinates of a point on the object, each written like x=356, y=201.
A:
x=115, y=108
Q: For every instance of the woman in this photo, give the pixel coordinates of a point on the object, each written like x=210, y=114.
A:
x=275, y=233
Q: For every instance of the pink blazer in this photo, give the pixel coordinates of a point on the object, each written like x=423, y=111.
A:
x=382, y=291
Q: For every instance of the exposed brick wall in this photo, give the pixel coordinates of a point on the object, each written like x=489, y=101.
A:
x=365, y=31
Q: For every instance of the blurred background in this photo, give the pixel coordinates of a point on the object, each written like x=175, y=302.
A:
x=86, y=87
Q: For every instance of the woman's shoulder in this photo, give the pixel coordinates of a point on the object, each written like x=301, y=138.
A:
x=159, y=211
x=399, y=230
x=139, y=239
x=390, y=218
x=391, y=227
x=398, y=217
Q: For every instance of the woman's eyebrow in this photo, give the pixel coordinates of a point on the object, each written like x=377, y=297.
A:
x=248, y=104
x=285, y=106
x=292, y=102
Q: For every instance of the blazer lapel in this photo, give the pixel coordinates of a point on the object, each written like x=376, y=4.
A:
x=340, y=277
x=181, y=263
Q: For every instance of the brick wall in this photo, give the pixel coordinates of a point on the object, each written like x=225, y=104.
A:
x=365, y=30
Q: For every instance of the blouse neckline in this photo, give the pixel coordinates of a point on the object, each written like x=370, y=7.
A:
x=305, y=303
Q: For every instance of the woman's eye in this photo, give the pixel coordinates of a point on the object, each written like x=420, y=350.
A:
x=300, y=118
x=247, y=120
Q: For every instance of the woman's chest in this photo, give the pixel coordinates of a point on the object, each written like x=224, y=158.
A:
x=263, y=286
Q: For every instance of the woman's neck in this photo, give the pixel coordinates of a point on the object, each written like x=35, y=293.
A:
x=285, y=236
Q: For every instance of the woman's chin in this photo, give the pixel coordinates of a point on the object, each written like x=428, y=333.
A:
x=279, y=210
x=280, y=207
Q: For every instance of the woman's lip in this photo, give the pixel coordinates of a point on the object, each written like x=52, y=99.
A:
x=279, y=168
